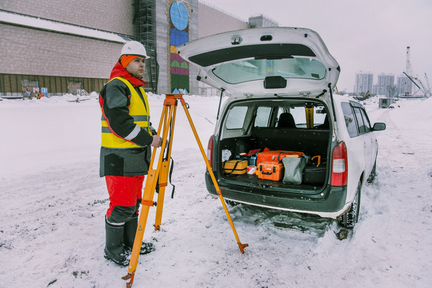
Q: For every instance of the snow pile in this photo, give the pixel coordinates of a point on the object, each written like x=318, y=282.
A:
x=53, y=202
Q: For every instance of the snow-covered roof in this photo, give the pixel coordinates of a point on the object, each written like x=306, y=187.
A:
x=49, y=25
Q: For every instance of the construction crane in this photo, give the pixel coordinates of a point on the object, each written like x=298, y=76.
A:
x=415, y=80
x=408, y=69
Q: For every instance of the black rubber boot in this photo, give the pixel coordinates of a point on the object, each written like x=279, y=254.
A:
x=129, y=237
x=114, y=249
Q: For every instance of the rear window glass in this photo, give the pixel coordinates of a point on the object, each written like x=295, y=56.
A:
x=349, y=119
x=258, y=69
x=320, y=117
x=299, y=115
x=236, y=117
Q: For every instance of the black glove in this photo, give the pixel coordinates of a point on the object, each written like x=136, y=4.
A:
x=153, y=130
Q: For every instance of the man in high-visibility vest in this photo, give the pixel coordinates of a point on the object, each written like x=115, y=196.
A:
x=125, y=153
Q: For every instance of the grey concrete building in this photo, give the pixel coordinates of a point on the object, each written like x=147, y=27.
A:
x=209, y=15
x=261, y=21
x=63, y=46
x=71, y=46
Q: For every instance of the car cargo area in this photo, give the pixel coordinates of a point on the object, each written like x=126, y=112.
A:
x=260, y=133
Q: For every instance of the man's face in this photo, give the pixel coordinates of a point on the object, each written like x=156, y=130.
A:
x=137, y=67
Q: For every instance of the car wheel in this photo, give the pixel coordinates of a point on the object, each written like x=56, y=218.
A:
x=372, y=175
x=350, y=217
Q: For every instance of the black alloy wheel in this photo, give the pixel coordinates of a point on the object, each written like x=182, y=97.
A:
x=350, y=218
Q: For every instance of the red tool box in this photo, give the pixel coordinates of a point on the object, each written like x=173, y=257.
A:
x=270, y=171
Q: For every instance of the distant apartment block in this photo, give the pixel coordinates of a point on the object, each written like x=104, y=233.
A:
x=385, y=85
x=363, y=83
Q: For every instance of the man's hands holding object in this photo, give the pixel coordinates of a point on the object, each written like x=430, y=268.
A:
x=157, y=141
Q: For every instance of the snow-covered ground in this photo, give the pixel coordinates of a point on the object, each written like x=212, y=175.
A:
x=53, y=203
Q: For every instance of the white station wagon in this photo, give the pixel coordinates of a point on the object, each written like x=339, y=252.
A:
x=281, y=81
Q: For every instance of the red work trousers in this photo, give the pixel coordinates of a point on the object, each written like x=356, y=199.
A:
x=123, y=191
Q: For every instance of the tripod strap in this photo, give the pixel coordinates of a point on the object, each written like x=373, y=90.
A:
x=170, y=174
x=233, y=169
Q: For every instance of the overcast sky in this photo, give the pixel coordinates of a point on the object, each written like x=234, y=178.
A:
x=363, y=35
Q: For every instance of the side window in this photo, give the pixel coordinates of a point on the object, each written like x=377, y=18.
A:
x=262, y=118
x=320, y=117
x=366, y=120
x=349, y=119
x=361, y=124
x=236, y=117
x=299, y=116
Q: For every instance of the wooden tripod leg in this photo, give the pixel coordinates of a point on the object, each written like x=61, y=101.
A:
x=147, y=200
x=163, y=176
x=241, y=246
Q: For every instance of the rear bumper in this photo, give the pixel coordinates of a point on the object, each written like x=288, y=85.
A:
x=328, y=203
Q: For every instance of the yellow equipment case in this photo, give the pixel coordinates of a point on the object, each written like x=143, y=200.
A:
x=235, y=167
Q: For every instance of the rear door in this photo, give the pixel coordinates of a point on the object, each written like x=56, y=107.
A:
x=365, y=137
x=371, y=144
x=355, y=144
x=271, y=61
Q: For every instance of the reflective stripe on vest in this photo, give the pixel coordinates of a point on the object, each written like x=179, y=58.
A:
x=139, y=110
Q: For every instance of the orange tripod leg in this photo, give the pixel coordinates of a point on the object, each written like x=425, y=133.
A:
x=163, y=181
x=147, y=201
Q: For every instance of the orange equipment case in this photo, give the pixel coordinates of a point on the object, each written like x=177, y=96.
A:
x=270, y=171
x=276, y=156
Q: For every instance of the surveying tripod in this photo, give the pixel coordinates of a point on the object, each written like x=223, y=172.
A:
x=159, y=177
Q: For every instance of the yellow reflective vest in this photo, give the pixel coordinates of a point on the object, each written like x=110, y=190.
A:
x=139, y=110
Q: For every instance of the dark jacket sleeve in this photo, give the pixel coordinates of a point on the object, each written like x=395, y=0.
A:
x=116, y=102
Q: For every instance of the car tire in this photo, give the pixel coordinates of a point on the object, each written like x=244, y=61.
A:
x=350, y=217
x=372, y=175
x=231, y=204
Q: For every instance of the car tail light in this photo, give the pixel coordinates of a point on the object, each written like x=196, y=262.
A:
x=340, y=166
x=210, y=149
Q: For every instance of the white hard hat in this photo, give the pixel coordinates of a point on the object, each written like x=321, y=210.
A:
x=134, y=48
